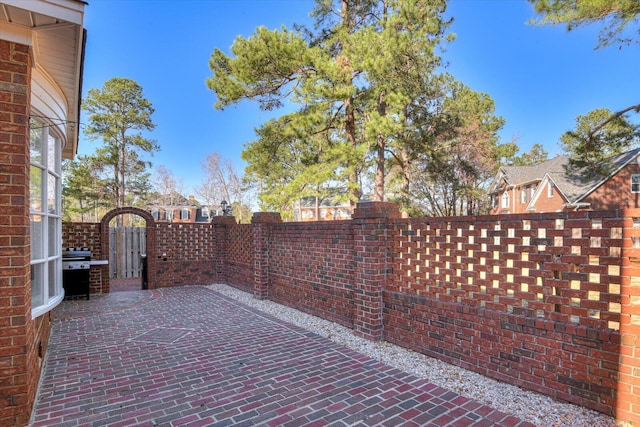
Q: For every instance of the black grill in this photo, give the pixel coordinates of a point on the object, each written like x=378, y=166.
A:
x=75, y=272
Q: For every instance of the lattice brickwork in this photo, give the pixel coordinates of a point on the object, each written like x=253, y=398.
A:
x=564, y=268
x=241, y=244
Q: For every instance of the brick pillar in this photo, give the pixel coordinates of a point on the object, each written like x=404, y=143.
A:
x=628, y=390
x=221, y=226
x=262, y=222
x=18, y=347
x=370, y=247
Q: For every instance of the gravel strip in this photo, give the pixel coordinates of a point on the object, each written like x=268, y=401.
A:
x=526, y=405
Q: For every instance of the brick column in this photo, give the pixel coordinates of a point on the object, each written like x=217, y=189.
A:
x=370, y=247
x=262, y=222
x=628, y=387
x=221, y=226
x=19, y=350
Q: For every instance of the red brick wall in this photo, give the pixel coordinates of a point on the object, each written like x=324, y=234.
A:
x=20, y=364
x=185, y=254
x=311, y=268
x=238, y=257
x=87, y=234
x=549, y=302
x=544, y=203
x=616, y=192
x=532, y=300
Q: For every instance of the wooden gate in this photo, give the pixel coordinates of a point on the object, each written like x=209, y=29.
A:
x=126, y=244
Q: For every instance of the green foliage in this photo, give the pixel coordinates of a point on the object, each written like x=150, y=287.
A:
x=450, y=178
x=616, y=15
x=598, y=135
x=118, y=114
x=536, y=155
x=83, y=191
x=364, y=96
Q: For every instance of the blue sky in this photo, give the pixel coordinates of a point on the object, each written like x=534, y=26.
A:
x=540, y=78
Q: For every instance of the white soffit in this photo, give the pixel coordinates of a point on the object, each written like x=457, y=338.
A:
x=54, y=30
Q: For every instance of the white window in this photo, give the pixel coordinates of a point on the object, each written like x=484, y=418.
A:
x=184, y=213
x=523, y=195
x=532, y=191
x=635, y=183
x=155, y=213
x=505, y=199
x=550, y=189
x=45, y=220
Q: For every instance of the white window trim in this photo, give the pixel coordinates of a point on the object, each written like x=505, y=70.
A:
x=637, y=183
x=50, y=301
x=504, y=200
x=550, y=189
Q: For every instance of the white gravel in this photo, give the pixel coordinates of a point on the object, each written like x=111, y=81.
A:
x=529, y=406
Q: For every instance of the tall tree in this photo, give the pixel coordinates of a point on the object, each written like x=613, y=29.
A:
x=349, y=81
x=590, y=149
x=617, y=16
x=83, y=190
x=537, y=154
x=168, y=189
x=118, y=114
x=223, y=182
x=450, y=179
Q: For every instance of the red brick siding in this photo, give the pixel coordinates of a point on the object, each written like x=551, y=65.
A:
x=616, y=192
x=544, y=203
x=19, y=334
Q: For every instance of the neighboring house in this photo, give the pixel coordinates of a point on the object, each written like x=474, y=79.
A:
x=41, y=58
x=551, y=186
x=321, y=209
x=176, y=208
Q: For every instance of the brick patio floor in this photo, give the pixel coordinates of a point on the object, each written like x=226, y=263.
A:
x=191, y=356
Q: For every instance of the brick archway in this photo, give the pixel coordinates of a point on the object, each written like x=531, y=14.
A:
x=151, y=246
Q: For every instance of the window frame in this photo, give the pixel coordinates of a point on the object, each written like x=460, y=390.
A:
x=636, y=177
x=550, y=188
x=45, y=218
x=504, y=200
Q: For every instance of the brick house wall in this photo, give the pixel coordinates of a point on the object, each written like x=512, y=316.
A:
x=555, y=203
x=616, y=192
x=21, y=338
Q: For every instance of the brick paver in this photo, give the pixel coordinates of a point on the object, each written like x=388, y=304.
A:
x=191, y=356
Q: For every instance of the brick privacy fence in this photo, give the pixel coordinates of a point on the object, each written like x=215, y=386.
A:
x=548, y=302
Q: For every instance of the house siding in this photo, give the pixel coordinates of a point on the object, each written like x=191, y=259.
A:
x=544, y=203
x=616, y=193
x=21, y=338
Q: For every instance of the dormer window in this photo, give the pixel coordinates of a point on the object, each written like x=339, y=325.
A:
x=550, y=189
